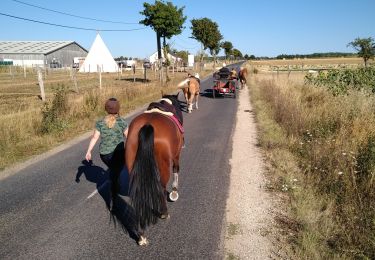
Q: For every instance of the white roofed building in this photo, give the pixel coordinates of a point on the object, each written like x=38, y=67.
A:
x=41, y=53
x=154, y=57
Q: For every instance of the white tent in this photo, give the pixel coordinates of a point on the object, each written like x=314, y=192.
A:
x=99, y=58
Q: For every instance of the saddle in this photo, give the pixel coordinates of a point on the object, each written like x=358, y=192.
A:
x=166, y=109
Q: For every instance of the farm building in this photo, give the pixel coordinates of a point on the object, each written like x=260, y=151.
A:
x=41, y=53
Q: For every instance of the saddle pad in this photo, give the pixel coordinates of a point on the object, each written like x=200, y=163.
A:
x=156, y=110
x=170, y=116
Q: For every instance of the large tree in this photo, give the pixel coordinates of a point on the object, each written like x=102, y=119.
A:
x=165, y=19
x=207, y=32
x=237, y=53
x=365, y=48
x=227, y=46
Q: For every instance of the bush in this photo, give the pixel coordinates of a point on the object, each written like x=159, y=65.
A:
x=53, y=112
x=341, y=81
x=91, y=102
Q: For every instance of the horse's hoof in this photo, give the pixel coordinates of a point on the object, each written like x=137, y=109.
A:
x=165, y=216
x=142, y=241
x=173, y=195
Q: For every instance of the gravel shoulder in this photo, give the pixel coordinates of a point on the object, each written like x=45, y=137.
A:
x=249, y=206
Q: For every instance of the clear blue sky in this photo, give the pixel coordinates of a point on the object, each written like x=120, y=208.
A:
x=261, y=28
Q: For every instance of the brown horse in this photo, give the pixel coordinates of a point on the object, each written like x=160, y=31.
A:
x=152, y=148
x=190, y=87
x=242, y=76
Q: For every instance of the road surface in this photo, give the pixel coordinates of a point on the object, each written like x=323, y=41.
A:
x=46, y=214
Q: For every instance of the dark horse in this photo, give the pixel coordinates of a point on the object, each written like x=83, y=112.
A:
x=152, y=149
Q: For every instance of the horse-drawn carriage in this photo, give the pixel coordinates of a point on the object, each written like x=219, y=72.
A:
x=224, y=84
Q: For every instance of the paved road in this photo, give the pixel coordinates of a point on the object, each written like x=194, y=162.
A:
x=46, y=214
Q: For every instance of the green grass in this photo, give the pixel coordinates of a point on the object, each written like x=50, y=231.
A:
x=233, y=229
x=231, y=256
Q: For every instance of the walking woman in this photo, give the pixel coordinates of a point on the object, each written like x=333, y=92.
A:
x=112, y=130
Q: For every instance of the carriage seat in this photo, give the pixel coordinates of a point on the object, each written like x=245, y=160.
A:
x=224, y=73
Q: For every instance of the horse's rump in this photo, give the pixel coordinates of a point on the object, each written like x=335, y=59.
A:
x=153, y=143
x=243, y=73
x=242, y=76
x=193, y=86
x=166, y=134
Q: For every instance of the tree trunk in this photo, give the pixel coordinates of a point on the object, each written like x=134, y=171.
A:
x=166, y=59
x=159, y=63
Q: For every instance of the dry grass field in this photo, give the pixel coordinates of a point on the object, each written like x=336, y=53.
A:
x=30, y=126
x=305, y=64
x=320, y=152
x=321, y=61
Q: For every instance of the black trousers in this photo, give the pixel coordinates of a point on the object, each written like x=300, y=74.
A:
x=115, y=160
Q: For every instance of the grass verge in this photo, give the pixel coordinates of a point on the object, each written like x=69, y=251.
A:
x=320, y=152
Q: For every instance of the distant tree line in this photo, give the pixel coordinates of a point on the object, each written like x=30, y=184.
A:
x=302, y=56
x=317, y=55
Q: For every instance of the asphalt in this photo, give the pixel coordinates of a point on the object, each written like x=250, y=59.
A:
x=46, y=214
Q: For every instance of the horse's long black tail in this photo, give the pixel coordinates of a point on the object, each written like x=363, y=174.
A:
x=146, y=191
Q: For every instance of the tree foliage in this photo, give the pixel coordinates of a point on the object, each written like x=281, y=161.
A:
x=164, y=18
x=237, y=53
x=365, y=48
x=227, y=46
x=182, y=54
x=315, y=55
x=207, y=32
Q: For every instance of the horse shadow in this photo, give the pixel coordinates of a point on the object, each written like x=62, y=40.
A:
x=182, y=103
x=122, y=212
x=207, y=93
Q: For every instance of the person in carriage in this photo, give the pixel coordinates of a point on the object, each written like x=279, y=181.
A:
x=233, y=74
x=223, y=73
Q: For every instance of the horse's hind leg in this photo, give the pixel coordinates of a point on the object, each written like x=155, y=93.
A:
x=164, y=168
x=173, y=195
x=196, y=100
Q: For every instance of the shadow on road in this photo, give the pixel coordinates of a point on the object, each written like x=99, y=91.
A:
x=98, y=175
x=207, y=93
x=122, y=212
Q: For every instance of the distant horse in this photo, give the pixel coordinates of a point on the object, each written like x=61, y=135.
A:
x=242, y=76
x=152, y=148
x=190, y=88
